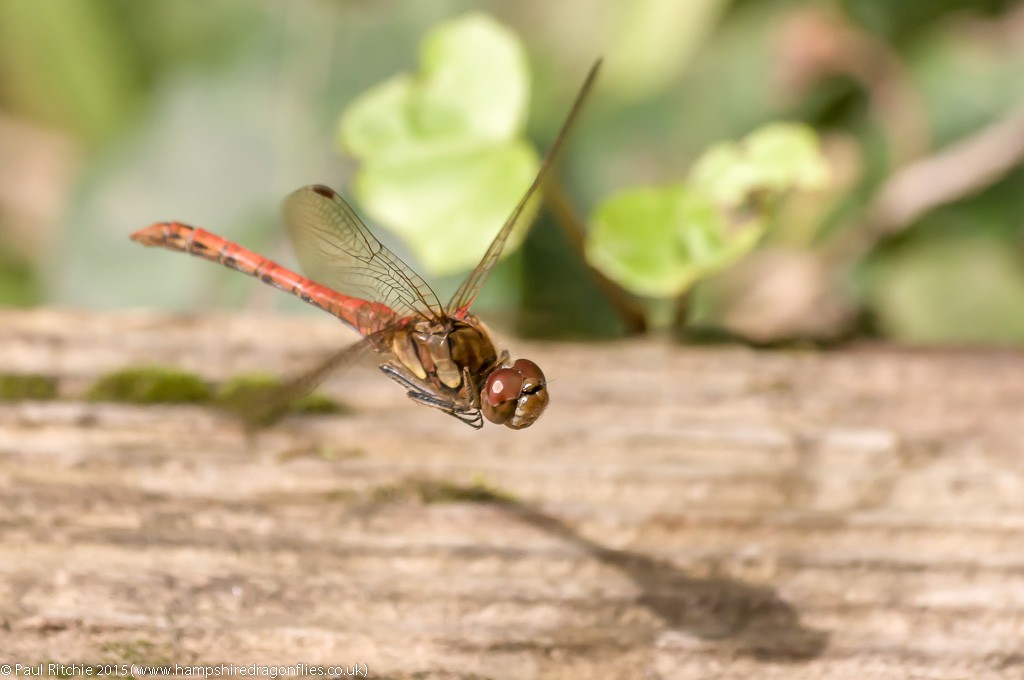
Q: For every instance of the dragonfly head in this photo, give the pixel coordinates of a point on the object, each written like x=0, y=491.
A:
x=515, y=396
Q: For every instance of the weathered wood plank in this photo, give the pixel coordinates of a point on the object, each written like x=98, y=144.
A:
x=678, y=513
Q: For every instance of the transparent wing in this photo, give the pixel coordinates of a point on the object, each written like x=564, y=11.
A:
x=337, y=250
x=262, y=405
x=469, y=289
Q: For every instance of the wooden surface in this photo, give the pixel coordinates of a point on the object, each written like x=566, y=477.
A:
x=678, y=513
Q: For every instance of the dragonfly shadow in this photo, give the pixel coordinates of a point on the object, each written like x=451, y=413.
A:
x=751, y=620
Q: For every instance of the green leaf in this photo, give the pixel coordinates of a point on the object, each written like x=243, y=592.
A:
x=654, y=41
x=723, y=174
x=658, y=242
x=378, y=121
x=410, y=192
x=443, y=162
x=476, y=68
x=776, y=158
x=787, y=156
x=67, y=63
x=960, y=287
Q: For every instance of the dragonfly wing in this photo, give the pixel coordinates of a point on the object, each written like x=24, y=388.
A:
x=264, y=405
x=337, y=250
x=469, y=289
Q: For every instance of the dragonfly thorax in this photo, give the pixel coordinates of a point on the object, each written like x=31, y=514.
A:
x=455, y=362
x=444, y=354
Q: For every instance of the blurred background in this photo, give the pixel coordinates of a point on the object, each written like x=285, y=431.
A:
x=118, y=113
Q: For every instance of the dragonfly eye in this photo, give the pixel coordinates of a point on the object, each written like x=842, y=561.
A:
x=533, y=377
x=515, y=396
x=500, y=394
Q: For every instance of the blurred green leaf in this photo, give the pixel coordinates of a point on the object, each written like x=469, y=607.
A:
x=659, y=241
x=958, y=287
x=963, y=85
x=788, y=156
x=443, y=164
x=476, y=69
x=452, y=193
x=19, y=282
x=66, y=63
x=777, y=157
x=724, y=175
x=380, y=121
x=653, y=41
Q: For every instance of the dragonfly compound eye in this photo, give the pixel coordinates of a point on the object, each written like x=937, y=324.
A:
x=500, y=394
x=533, y=377
x=533, y=398
x=515, y=396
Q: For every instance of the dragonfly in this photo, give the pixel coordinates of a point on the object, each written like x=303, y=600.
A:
x=443, y=356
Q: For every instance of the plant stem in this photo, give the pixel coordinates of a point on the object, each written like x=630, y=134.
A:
x=630, y=313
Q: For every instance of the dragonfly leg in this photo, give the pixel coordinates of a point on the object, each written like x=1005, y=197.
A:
x=470, y=416
x=399, y=377
x=474, y=394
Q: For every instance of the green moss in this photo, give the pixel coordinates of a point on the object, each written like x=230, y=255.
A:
x=143, y=653
x=261, y=400
x=477, y=492
x=29, y=386
x=430, y=491
x=241, y=386
x=391, y=493
x=255, y=398
x=341, y=496
x=149, y=385
x=321, y=453
x=244, y=394
x=316, y=403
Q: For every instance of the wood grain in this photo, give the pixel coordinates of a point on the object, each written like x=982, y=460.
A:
x=678, y=513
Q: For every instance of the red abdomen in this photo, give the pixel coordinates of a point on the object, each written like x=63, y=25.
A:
x=362, y=315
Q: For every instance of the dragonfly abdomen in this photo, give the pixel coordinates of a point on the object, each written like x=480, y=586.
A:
x=362, y=315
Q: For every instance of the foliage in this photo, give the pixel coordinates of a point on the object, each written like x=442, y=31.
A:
x=428, y=143
x=973, y=278
x=443, y=159
x=659, y=242
x=210, y=113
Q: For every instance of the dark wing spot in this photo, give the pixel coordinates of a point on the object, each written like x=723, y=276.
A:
x=326, y=192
